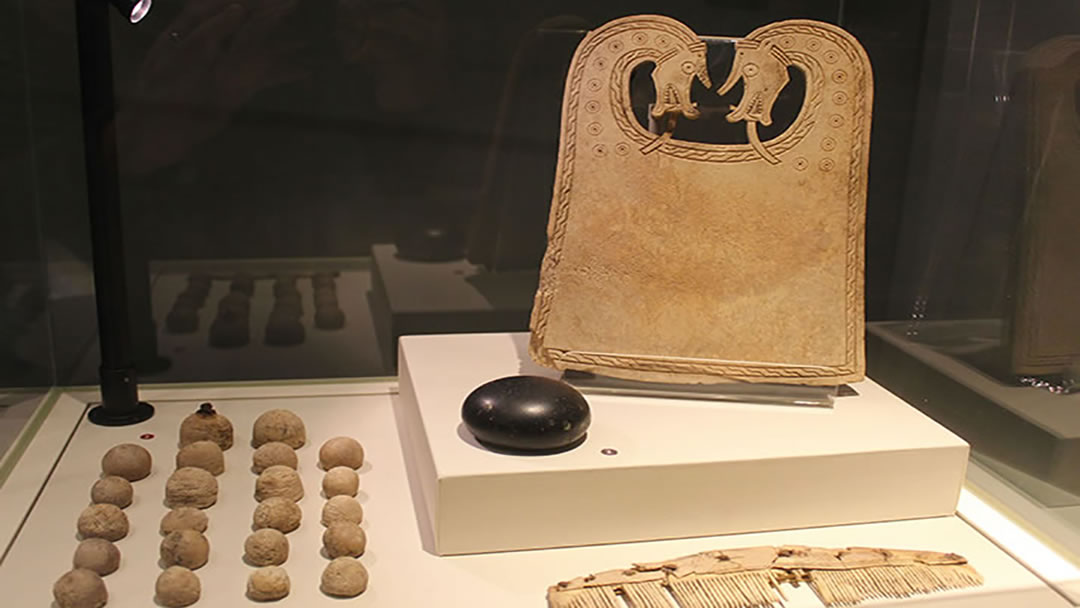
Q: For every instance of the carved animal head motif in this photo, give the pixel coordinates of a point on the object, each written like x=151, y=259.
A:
x=763, y=68
x=674, y=74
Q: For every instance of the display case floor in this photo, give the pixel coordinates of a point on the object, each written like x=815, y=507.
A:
x=404, y=571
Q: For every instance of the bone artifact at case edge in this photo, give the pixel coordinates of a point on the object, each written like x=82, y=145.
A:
x=679, y=261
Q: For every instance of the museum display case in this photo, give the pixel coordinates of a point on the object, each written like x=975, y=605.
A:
x=587, y=305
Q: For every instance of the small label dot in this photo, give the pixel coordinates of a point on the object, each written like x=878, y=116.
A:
x=609, y=451
x=146, y=436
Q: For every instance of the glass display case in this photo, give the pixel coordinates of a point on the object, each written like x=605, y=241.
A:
x=342, y=210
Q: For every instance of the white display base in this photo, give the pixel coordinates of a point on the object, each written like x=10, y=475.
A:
x=683, y=468
x=404, y=572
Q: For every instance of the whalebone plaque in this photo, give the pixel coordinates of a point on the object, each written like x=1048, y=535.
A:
x=687, y=262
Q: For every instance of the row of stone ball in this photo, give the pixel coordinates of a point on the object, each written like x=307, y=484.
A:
x=100, y=525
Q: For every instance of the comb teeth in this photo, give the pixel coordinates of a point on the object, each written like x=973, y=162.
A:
x=735, y=590
x=850, y=587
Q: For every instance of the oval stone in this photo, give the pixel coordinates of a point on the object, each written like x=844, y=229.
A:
x=526, y=414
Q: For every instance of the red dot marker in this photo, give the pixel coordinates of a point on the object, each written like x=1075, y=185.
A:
x=146, y=436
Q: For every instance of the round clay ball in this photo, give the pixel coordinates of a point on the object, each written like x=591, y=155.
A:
x=344, y=577
x=80, y=588
x=103, y=521
x=340, y=481
x=184, y=518
x=268, y=584
x=177, y=587
x=191, y=487
x=341, y=452
x=205, y=455
x=342, y=509
x=344, y=539
x=207, y=425
x=186, y=548
x=279, y=480
x=266, y=547
x=97, y=554
x=279, y=425
x=277, y=513
x=271, y=454
x=127, y=460
x=112, y=490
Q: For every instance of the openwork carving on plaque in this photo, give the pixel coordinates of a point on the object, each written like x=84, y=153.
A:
x=681, y=261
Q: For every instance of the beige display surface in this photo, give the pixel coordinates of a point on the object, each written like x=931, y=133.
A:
x=405, y=573
x=683, y=468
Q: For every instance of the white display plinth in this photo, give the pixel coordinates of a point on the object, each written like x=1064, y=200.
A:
x=683, y=468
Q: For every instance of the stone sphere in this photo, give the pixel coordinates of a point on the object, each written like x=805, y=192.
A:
x=127, y=460
x=279, y=481
x=98, y=555
x=113, y=490
x=340, y=481
x=527, y=414
x=191, y=487
x=344, y=577
x=103, y=521
x=177, y=587
x=277, y=513
x=186, y=548
x=266, y=547
x=344, y=539
x=268, y=584
x=279, y=425
x=205, y=455
x=342, y=509
x=184, y=518
x=271, y=454
x=80, y=588
x=207, y=425
x=341, y=452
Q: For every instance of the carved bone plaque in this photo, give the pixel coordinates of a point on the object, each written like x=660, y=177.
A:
x=680, y=261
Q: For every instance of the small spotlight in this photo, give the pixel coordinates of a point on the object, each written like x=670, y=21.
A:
x=133, y=10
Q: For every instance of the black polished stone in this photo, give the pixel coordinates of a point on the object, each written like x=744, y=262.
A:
x=526, y=414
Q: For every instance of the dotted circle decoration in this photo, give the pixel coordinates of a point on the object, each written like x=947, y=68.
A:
x=595, y=85
x=826, y=164
x=787, y=42
x=836, y=121
x=615, y=45
x=801, y=164
x=594, y=128
x=600, y=150
x=839, y=76
x=601, y=62
x=828, y=144
x=688, y=67
x=813, y=44
x=839, y=98
x=662, y=41
x=640, y=38
x=622, y=148
x=832, y=56
x=592, y=106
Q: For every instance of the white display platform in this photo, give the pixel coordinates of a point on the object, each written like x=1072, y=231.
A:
x=683, y=468
x=404, y=571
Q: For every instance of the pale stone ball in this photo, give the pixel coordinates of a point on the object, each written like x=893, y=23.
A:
x=80, y=588
x=205, y=455
x=271, y=454
x=277, y=513
x=344, y=539
x=341, y=452
x=344, y=577
x=268, y=584
x=184, y=518
x=266, y=547
x=279, y=425
x=279, y=481
x=97, y=554
x=177, y=587
x=127, y=460
x=191, y=487
x=112, y=490
x=340, y=481
x=186, y=548
x=207, y=425
x=103, y=521
x=342, y=509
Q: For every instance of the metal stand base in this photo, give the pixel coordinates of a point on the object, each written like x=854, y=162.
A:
x=102, y=416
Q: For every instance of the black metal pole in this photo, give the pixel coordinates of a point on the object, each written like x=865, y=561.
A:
x=119, y=386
